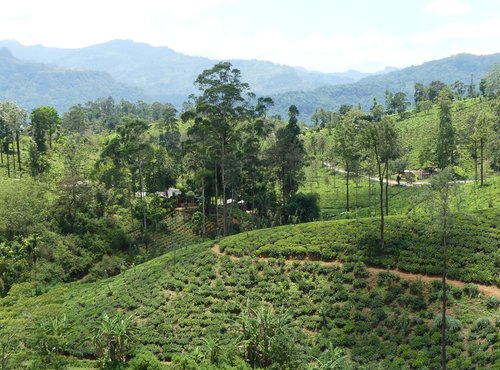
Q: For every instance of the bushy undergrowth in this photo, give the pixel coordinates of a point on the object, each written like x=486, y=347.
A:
x=188, y=308
x=411, y=244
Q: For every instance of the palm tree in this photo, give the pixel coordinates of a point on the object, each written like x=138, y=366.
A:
x=112, y=338
x=332, y=358
x=264, y=335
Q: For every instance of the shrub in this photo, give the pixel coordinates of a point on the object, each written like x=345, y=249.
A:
x=492, y=302
x=303, y=206
x=145, y=360
x=471, y=290
x=481, y=324
x=436, y=285
x=112, y=337
x=332, y=358
x=52, y=361
x=265, y=337
x=379, y=314
x=416, y=303
x=212, y=349
x=108, y=266
x=452, y=324
x=359, y=283
x=456, y=292
x=306, y=286
x=417, y=287
x=386, y=278
x=393, y=292
x=50, y=336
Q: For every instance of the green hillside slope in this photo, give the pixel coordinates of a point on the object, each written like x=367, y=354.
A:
x=417, y=132
x=183, y=297
x=411, y=244
x=34, y=84
x=166, y=75
x=448, y=70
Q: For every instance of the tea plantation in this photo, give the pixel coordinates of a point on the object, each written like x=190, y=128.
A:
x=412, y=244
x=188, y=305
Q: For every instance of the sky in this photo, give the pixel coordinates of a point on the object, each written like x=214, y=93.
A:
x=320, y=35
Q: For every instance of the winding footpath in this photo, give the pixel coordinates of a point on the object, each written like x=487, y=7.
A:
x=394, y=182
x=487, y=290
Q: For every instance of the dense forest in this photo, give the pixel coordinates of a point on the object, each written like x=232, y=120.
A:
x=220, y=235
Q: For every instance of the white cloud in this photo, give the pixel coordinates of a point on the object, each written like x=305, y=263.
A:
x=460, y=31
x=65, y=23
x=449, y=8
x=198, y=27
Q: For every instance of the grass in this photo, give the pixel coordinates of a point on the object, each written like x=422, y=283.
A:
x=418, y=130
x=363, y=203
x=332, y=195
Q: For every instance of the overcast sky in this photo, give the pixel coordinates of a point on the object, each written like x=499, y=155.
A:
x=323, y=35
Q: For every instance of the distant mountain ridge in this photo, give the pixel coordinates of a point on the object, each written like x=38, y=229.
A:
x=461, y=67
x=34, y=84
x=132, y=70
x=164, y=74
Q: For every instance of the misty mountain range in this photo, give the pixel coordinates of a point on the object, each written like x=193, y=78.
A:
x=39, y=75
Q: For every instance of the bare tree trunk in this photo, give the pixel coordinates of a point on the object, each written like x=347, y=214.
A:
x=143, y=206
x=356, y=182
x=130, y=206
x=253, y=194
x=443, y=283
x=13, y=159
x=230, y=212
x=18, y=153
x=381, y=194
x=216, y=201
x=347, y=186
x=223, y=174
x=387, y=188
x=369, y=189
x=481, y=148
x=475, y=170
x=381, y=202
x=8, y=161
x=283, y=192
x=134, y=187
x=203, y=205
x=1, y=151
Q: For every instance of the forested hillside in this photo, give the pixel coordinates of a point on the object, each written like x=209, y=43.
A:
x=134, y=235
x=166, y=75
x=34, y=84
x=464, y=68
x=160, y=73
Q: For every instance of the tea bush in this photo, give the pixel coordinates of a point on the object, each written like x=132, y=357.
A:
x=411, y=245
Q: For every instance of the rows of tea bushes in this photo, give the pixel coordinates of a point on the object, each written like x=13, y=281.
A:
x=417, y=133
x=184, y=298
x=178, y=234
x=411, y=244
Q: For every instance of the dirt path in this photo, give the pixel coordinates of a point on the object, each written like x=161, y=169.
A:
x=394, y=182
x=487, y=290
